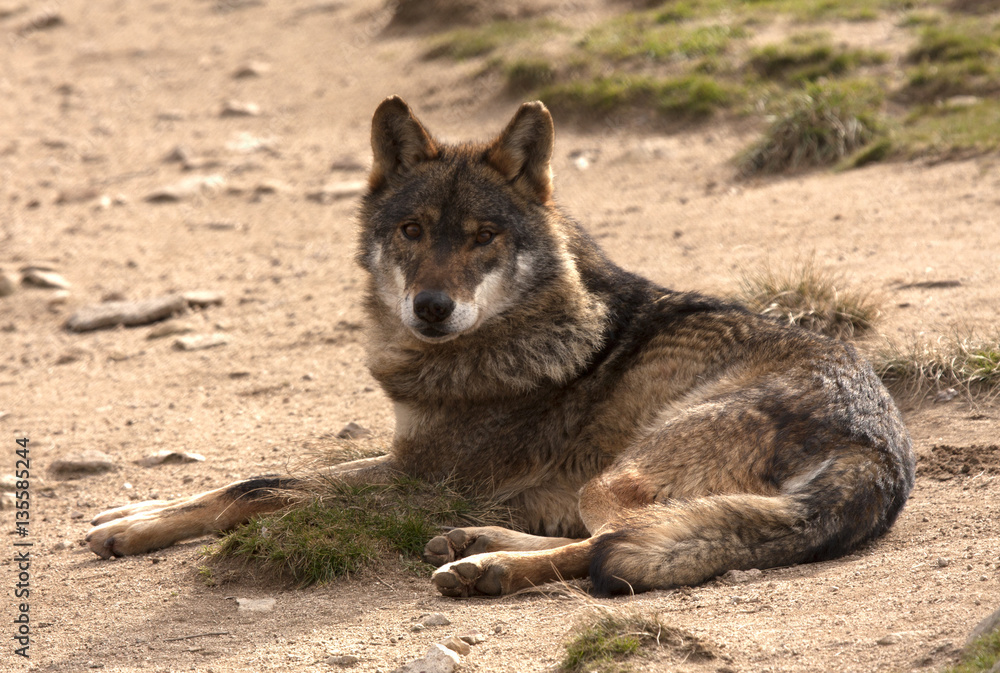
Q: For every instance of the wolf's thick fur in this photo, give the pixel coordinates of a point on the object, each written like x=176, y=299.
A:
x=644, y=437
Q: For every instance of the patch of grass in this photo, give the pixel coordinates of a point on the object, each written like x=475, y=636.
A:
x=348, y=529
x=820, y=126
x=527, y=74
x=814, y=298
x=466, y=43
x=957, y=41
x=636, y=36
x=808, y=57
x=687, y=97
x=981, y=657
x=605, y=642
x=960, y=128
x=969, y=363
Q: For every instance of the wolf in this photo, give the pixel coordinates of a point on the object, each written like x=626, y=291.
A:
x=644, y=437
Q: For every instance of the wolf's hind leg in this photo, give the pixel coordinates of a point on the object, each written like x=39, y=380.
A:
x=464, y=542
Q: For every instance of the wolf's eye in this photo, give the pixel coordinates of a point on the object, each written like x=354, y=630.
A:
x=484, y=237
x=412, y=230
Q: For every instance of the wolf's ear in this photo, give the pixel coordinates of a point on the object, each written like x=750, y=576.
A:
x=399, y=141
x=524, y=149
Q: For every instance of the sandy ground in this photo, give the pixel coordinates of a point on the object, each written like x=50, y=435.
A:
x=91, y=109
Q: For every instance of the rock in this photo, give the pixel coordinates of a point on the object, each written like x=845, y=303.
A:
x=435, y=619
x=43, y=278
x=128, y=313
x=417, y=627
x=457, y=645
x=187, y=188
x=235, y=108
x=199, y=342
x=44, y=20
x=334, y=191
x=473, y=638
x=742, y=576
x=946, y=395
x=81, y=464
x=344, y=660
x=438, y=660
x=251, y=69
x=203, y=298
x=76, y=195
x=76, y=514
x=985, y=627
x=943, y=562
x=353, y=431
x=8, y=283
x=168, y=457
x=62, y=544
x=255, y=604
x=891, y=639
x=170, y=328
x=58, y=298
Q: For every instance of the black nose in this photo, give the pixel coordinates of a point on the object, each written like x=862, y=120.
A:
x=432, y=306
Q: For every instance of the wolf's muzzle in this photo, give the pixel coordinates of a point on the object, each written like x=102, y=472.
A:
x=432, y=306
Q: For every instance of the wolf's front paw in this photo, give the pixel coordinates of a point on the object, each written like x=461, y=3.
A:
x=457, y=544
x=140, y=530
x=474, y=576
x=126, y=510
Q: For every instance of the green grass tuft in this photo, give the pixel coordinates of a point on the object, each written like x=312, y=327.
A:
x=813, y=298
x=466, y=43
x=605, y=642
x=807, y=58
x=527, y=74
x=821, y=126
x=687, y=97
x=348, y=529
x=967, y=363
x=981, y=656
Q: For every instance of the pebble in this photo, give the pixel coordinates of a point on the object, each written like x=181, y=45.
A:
x=334, y=191
x=255, y=604
x=81, y=463
x=186, y=188
x=890, y=639
x=76, y=195
x=742, y=576
x=200, y=342
x=168, y=457
x=456, y=644
x=62, y=544
x=473, y=638
x=44, y=278
x=435, y=619
x=235, y=108
x=203, y=298
x=41, y=21
x=946, y=395
x=943, y=562
x=438, y=660
x=128, y=313
x=344, y=660
x=353, y=431
x=170, y=328
x=8, y=283
x=251, y=69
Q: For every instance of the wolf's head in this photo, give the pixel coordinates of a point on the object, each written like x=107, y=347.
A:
x=456, y=235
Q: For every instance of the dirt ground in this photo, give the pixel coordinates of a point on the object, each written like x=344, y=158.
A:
x=92, y=108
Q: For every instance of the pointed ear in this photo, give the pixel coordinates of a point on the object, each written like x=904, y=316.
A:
x=399, y=141
x=523, y=151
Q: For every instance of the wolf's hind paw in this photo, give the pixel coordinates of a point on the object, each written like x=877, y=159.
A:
x=470, y=577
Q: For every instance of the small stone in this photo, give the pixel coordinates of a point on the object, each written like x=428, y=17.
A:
x=344, y=660
x=473, y=638
x=76, y=514
x=943, y=562
x=435, y=619
x=170, y=328
x=81, y=464
x=251, y=69
x=334, y=191
x=353, y=431
x=186, y=188
x=168, y=457
x=417, y=627
x=255, y=604
x=44, y=279
x=742, y=576
x=235, y=108
x=58, y=298
x=891, y=639
x=43, y=20
x=438, y=660
x=128, y=313
x=8, y=283
x=946, y=395
x=456, y=644
x=203, y=298
x=76, y=195
x=200, y=342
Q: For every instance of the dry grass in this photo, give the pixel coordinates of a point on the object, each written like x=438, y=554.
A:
x=966, y=363
x=816, y=299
